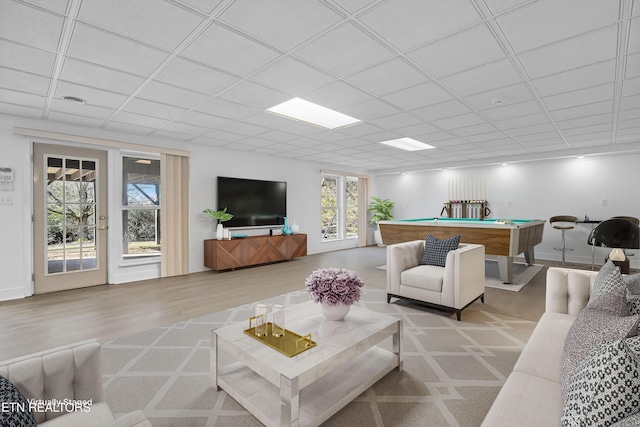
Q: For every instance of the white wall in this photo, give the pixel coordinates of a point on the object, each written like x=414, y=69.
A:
x=535, y=190
x=303, y=201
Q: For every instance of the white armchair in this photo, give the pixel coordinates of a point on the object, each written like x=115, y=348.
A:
x=454, y=286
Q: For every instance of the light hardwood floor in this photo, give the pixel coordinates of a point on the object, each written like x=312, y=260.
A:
x=110, y=311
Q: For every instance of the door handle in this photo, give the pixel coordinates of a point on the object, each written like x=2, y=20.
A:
x=103, y=227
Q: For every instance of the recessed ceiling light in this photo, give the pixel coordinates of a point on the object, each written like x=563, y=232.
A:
x=143, y=161
x=309, y=112
x=74, y=99
x=504, y=164
x=408, y=144
x=580, y=157
x=497, y=101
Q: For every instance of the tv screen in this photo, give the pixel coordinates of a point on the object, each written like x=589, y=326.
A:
x=252, y=202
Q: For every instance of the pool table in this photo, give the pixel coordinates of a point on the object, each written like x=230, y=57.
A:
x=504, y=238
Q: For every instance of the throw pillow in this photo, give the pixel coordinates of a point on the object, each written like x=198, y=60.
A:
x=632, y=421
x=633, y=284
x=436, y=250
x=605, y=319
x=19, y=413
x=605, y=387
x=607, y=279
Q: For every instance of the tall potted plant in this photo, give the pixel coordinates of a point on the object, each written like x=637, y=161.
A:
x=221, y=216
x=382, y=211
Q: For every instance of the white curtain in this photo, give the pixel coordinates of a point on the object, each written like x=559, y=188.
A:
x=363, y=216
x=174, y=225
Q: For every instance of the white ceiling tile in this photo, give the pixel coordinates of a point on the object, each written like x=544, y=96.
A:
x=538, y=136
x=186, y=129
x=292, y=77
x=172, y=95
x=410, y=23
x=277, y=136
x=20, y=98
x=634, y=36
x=356, y=51
x=604, y=127
x=138, y=119
x=128, y=128
x=352, y=6
x=478, y=129
x=499, y=6
x=221, y=135
x=200, y=78
x=75, y=119
x=206, y=6
x=583, y=110
x=590, y=48
x=396, y=121
x=25, y=58
x=87, y=74
x=359, y=129
x=229, y=110
x=20, y=110
x=530, y=130
x=467, y=49
x=591, y=75
x=495, y=75
x=507, y=111
x=483, y=137
x=18, y=23
x=441, y=110
x=91, y=95
x=219, y=47
x=369, y=110
x=254, y=95
x=580, y=97
x=516, y=122
x=336, y=94
x=266, y=19
x=157, y=23
x=242, y=128
x=546, y=21
x=629, y=102
x=418, y=96
x=85, y=110
x=302, y=129
x=153, y=109
x=633, y=66
x=23, y=82
x=54, y=5
x=585, y=121
x=631, y=86
x=458, y=121
x=268, y=120
x=418, y=129
x=509, y=95
x=436, y=137
x=603, y=137
x=114, y=52
x=174, y=136
x=390, y=76
x=204, y=120
x=629, y=114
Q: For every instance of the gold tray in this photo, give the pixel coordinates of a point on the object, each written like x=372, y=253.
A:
x=290, y=344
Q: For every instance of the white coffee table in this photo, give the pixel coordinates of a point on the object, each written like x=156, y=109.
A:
x=307, y=389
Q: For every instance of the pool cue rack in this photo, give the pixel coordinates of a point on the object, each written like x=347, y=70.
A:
x=466, y=209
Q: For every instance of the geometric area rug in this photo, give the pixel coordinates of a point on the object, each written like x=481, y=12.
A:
x=452, y=370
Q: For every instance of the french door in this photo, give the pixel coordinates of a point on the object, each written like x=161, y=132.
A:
x=70, y=217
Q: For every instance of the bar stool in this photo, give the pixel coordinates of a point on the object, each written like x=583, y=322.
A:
x=563, y=223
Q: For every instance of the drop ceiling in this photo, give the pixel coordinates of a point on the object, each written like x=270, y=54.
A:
x=482, y=81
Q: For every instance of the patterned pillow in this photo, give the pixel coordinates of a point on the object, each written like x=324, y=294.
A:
x=605, y=319
x=19, y=413
x=632, y=421
x=606, y=386
x=436, y=250
x=607, y=279
x=633, y=304
x=633, y=284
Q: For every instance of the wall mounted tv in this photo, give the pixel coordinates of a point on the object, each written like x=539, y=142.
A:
x=252, y=202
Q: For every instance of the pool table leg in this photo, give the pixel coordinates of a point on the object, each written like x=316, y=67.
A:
x=529, y=257
x=505, y=266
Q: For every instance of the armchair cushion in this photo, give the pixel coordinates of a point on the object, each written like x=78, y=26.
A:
x=424, y=277
x=436, y=250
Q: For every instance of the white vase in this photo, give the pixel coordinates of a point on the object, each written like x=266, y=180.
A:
x=295, y=227
x=219, y=232
x=334, y=312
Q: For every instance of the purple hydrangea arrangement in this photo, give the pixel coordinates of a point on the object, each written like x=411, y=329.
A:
x=334, y=286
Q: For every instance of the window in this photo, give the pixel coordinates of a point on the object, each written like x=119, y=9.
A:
x=339, y=207
x=140, y=207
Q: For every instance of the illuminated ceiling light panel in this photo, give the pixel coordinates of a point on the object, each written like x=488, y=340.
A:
x=407, y=144
x=309, y=112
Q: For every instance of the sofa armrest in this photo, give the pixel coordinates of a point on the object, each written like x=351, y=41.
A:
x=568, y=290
x=400, y=257
x=464, y=275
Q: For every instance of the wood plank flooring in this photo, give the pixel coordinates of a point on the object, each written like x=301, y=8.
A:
x=110, y=311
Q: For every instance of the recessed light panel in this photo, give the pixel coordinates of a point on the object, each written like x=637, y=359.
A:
x=408, y=144
x=309, y=112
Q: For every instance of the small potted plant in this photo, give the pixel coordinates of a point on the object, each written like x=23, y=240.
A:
x=335, y=289
x=382, y=211
x=221, y=216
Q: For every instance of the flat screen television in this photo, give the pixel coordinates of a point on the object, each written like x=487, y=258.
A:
x=252, y=202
